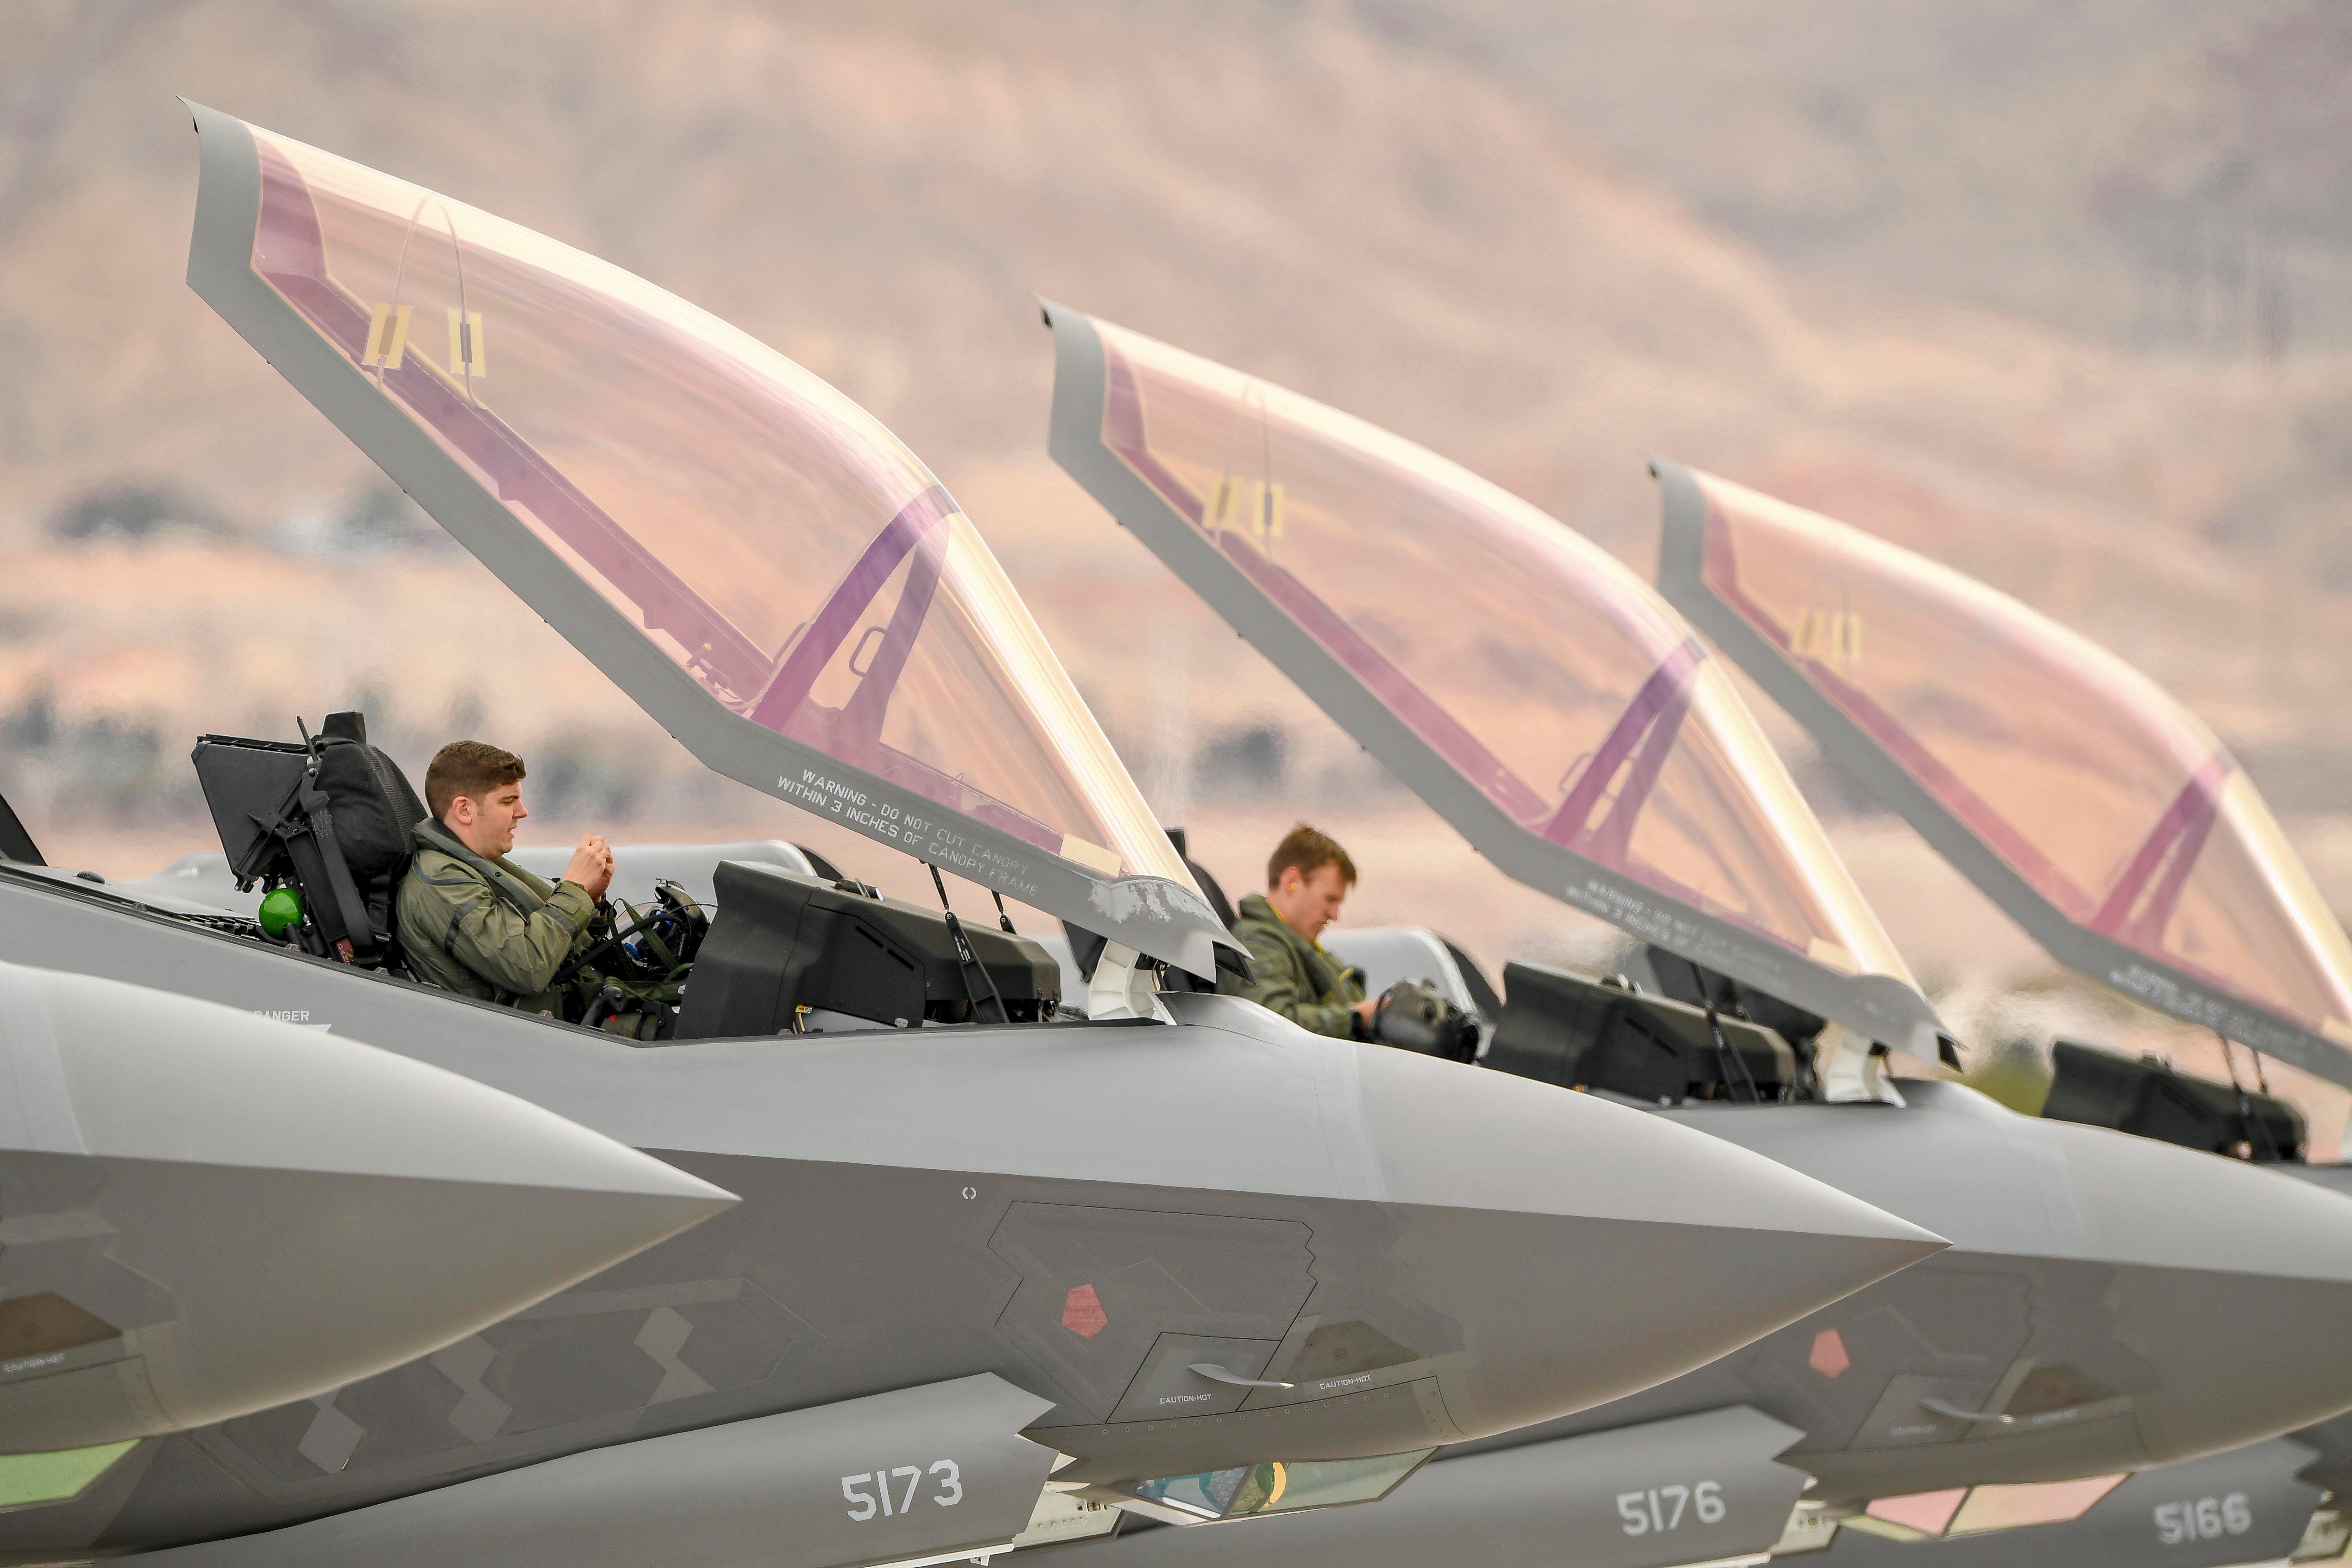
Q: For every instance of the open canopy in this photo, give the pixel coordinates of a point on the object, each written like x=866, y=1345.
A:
x=2093, y=808
x=751, y=556
x=1535, y=692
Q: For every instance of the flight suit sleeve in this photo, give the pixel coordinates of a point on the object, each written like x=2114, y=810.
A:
x=517, y=952
x=1279, y=987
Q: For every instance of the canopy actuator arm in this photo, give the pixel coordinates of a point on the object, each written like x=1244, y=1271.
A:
x=968, y=961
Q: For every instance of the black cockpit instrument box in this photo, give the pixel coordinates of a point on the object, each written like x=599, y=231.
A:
x=1569, y=1029
x=2149, y=1099
x=781, y=943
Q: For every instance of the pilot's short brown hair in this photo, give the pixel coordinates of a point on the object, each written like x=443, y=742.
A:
x=1310, y=851
x=470, y=768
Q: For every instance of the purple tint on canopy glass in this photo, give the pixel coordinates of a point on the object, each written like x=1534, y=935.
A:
x=1535, y=665
x=2113, y=801
x=767, y=534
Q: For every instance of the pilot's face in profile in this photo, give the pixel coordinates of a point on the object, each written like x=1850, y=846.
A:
x=491, y=830
x=1311, y=902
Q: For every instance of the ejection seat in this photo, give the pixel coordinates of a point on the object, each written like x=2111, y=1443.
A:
x=329, y=816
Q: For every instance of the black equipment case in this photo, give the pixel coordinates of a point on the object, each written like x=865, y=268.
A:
x=1569, y=1029
x=783, y=946
x=2152, y=1100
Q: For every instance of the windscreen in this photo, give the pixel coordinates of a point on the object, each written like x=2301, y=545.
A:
x=2109, y=799
x=768, y=535
x=1536, y=665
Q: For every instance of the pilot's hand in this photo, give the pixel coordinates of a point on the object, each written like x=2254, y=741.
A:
x=590, y=866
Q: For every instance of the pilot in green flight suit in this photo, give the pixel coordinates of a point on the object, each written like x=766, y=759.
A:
x=1307, y=880
x=474, y=922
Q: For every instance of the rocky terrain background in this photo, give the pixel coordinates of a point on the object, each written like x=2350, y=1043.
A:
x=2058, y=295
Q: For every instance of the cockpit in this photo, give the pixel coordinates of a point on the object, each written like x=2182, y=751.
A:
x=1534, y=692
x=317, y=834
x=753, y=558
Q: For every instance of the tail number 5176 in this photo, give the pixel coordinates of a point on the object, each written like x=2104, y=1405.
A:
x=1661, y=1509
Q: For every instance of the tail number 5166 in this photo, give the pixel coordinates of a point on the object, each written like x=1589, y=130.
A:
x=871, y=1490
x=1661, y=1509
x=2203, y=1519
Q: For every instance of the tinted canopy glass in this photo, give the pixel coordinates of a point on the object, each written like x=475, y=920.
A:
x=2096, y=803
x=764, y=531
x=1543, y=676
x=769, y=539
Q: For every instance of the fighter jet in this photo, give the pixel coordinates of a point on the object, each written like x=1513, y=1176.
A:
x=205, y=1214
x=2108, y=1303
x=2103, y=816
x=2091, y=807
x=979, y=1243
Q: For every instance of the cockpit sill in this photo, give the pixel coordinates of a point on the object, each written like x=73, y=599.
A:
x=227, y=926
x=1228, y=1014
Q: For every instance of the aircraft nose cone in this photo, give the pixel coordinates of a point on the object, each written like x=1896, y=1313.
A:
x=205, y=1213
x=1599, y=1250
x=2233, y=1283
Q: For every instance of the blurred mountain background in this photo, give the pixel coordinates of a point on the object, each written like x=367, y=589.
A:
x=2060, y=295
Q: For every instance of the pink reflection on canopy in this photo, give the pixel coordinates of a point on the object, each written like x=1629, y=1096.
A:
x=710, y=490
x=2115, y=803
x=1535, y=665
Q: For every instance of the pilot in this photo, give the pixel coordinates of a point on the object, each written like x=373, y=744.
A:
x=1307, y=880
x=474, y=922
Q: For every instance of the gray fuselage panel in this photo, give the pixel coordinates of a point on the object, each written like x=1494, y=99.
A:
x=1048, y=1205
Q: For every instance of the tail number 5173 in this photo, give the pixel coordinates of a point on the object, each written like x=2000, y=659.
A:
x=1661, y=1509
x=872, y=1490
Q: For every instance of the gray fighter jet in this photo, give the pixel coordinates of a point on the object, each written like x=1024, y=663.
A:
x=205, y=1214
x=2091, y=806
x=2108, y=1303
x=978, y=1244
x=2104, y=817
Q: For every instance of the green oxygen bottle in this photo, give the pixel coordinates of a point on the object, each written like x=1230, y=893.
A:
x=281, y=911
